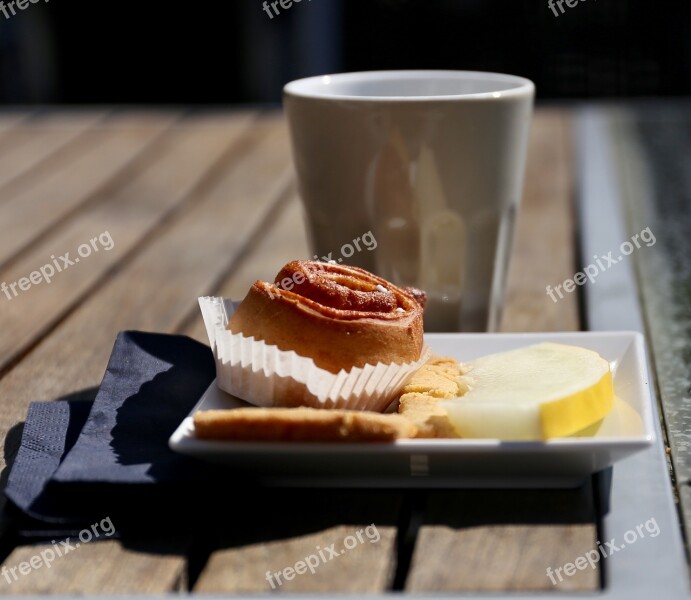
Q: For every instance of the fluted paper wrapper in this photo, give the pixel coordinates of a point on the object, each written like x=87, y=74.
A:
x=263, y=375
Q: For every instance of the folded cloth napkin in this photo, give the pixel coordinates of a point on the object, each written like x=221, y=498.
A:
x=82, y=461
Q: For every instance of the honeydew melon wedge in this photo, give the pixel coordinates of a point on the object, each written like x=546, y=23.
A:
x=534, y=393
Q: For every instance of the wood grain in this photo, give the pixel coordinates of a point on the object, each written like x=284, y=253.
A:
x=505, y=540
x=79, y=174
x=127, y=211
x=23, y=151
x=280, y=242
x=157, y=285
x=102, y=567
x=290, y=525
x=545, y=240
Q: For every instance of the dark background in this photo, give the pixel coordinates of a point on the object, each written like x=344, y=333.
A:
x=217, y=52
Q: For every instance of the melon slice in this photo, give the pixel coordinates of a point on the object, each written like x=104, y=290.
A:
x=534, y=393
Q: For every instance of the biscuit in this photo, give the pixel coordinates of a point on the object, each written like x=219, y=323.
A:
x=301, y=424
x=440, y=378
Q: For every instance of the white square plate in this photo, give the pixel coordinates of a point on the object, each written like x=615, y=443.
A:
x=562, y=462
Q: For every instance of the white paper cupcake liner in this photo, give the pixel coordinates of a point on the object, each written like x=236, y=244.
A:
x=265, y=376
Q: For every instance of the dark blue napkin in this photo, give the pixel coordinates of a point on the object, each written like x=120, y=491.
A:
x=80, y=461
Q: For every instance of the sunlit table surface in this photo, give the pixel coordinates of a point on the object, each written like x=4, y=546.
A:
x=184, y=204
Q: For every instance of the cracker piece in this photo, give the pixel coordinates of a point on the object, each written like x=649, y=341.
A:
x=301, y=424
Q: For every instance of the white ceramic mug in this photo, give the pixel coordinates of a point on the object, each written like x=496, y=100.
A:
x=430, y=164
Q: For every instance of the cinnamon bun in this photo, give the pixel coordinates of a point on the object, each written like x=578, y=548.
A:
x=339, y=316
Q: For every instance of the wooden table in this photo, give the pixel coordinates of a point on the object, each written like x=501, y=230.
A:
x=205, y=203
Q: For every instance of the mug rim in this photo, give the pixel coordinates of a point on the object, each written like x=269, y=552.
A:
x=314, y=87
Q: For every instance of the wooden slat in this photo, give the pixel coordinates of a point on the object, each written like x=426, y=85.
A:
x=110, y=571
x=288, y=526
x=157, y=287
x=126, y=210
x=24, y=149
x=280, y=243
x=545, y=245
x=77, y=175
x=130, y=214
x=505, y=540
x=500, y=540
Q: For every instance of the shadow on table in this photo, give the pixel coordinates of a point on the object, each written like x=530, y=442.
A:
x=465, y=508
